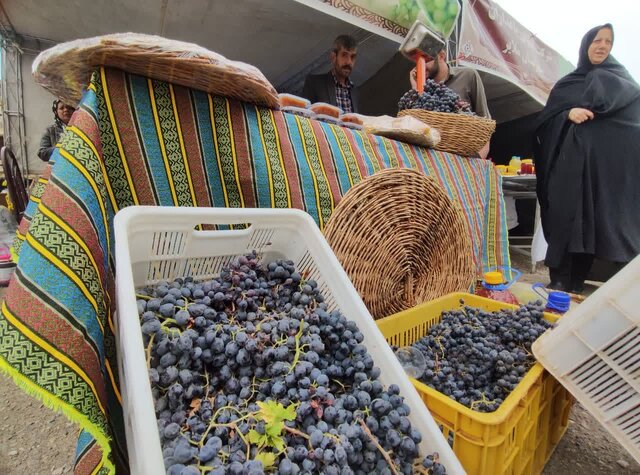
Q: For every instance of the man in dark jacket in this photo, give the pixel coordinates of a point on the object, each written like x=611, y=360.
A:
x=335, y=87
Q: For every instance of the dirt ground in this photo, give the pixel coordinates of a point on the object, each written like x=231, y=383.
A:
x=35, y=440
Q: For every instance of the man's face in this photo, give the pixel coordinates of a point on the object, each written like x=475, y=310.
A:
x=433, y=66
x=343, y=61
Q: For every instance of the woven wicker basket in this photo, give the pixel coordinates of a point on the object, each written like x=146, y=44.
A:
x=65, y=69
x=401, y=240
x=459, y=133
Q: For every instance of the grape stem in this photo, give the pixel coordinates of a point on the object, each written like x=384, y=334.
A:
x=149, y=346
x=293, y=431
x=213, y=422
x=144, y=297
x=296, y=358
x=384, y=453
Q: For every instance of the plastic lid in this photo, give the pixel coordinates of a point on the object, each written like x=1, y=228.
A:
x=559, y=300
x=494, y=278
x=327, y=118
x=299, y=111
x=351, y=117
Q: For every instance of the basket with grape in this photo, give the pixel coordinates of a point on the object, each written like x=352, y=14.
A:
x=462, y=132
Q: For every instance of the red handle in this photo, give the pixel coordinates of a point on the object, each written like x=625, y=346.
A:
x=421, y=66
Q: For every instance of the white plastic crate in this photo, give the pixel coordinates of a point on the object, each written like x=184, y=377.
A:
x=161, y=243
x=595, y=353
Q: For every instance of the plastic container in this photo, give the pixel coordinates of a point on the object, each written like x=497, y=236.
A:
x=502, y=169
x=308, y=113
x=494, y=286
x=526, y=166
x=7, y=266
x=557, y=302
x=351, y=125
x=328, y=119
x=595, y=353
x=322, y=108
x=156, y=243
x=351, y=119
x=290, y=100
x=520, y=436
x=515, y=162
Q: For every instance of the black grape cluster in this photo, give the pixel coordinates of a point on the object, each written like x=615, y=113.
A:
x=251, y=373
x=477, y=358
x=436, y=98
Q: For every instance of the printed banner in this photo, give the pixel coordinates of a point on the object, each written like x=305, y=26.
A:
x=397, y=16
x=492, y=41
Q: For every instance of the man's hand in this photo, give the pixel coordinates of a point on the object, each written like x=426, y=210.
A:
x=413, y=78
x=578, y=115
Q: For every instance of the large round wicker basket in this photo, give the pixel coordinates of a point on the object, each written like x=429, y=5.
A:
x=401, y=240
x=459, y=133
x=65, y=69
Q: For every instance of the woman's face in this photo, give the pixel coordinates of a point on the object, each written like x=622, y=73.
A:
x=64, y=112
x=601, y=46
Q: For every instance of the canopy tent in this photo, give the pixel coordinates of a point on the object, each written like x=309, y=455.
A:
x=285, y=39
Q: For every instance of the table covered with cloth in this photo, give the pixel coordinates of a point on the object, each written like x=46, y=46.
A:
x=137, y=141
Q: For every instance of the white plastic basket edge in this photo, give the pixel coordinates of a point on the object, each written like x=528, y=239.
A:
x=130, y=335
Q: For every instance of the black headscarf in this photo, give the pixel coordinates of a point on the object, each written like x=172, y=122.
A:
x=562, y=148
x=569, y=91
x=54, y=108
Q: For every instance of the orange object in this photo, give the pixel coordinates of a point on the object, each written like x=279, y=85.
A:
x=494, y=287
x=494, y=278
x=421, y=70
x=351, y=118
x=322, y=108
x=289, y=100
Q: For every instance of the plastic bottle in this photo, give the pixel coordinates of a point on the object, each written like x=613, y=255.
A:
x=502, y=169
x=526, y=166
x=557, y=302
x=494, y=287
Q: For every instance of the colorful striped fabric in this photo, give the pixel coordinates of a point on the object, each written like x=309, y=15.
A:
x=138, y=141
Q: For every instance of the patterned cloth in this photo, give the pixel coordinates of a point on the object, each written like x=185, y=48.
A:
x=138, y=141
x=343, y=95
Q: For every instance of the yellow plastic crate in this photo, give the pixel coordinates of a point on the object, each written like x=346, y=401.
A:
x=521, y=435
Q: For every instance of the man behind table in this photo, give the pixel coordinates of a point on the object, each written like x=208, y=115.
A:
x=335, y=87
x=463, y=81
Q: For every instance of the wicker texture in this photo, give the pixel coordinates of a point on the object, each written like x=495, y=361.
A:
x=401, y=240
x=459, y=133
x=65, y=69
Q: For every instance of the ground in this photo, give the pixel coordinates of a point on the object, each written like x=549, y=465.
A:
x=34, y=439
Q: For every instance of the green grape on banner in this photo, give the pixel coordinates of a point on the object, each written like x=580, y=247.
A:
x=405, y=12
x=440, y=15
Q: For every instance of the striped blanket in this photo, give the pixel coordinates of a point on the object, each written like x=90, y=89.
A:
x=138, y=141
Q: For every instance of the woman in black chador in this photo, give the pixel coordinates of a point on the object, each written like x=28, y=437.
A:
x=587, y=155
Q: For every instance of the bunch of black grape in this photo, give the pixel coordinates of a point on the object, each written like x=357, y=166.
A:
x=477, y=358
x=251, y=373
x=436, y=98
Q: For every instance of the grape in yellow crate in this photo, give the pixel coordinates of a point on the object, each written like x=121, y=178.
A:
x=516, y=436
